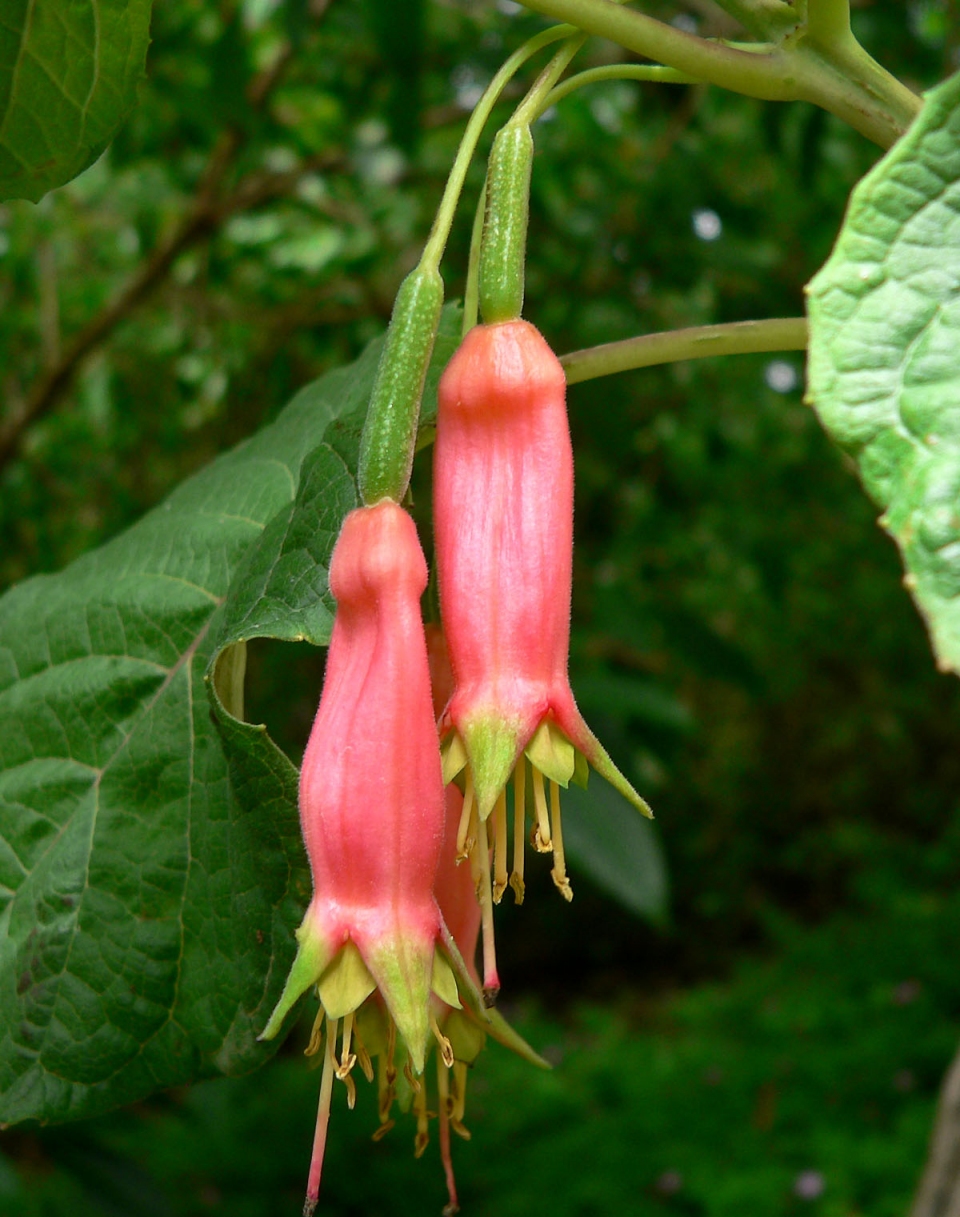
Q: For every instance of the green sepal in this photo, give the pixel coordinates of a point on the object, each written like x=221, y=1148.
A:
x=552, y=753
x=313, y=956
x=581, y=769
x=443, y=982
x=453, y=757
x=599, y=758
x=504, y=1034
x=403, y=970
x=492, y=747
x=468, y=991
x=403, y=1091
x=346, y=983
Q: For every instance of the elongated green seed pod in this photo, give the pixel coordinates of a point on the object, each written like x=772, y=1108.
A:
x=503, y=247
x=390, y=431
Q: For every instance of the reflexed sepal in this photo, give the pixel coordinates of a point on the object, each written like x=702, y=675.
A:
x=313, y=955
x=599, y=758
x=504, y=1034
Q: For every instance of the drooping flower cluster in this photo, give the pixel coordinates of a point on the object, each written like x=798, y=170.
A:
x=405, y=869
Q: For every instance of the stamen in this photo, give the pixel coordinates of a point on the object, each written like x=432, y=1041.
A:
x=500, y=847
x=459, y=1100
x=443, y=1090
x=323, y=1120
x=412, y=1079
x=363, y=1056
x=347, y=1061
x=491, y=981
x=383, y=1130
x=559, y=872
x=347, y=1058
x=316, y=1035
x=446, y=1048
x=422, y=1139
x=542, y=842
x=387, y=1076
x=464, y=839
x=519, y=821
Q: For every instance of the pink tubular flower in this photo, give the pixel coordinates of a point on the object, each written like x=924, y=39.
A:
x=503, y=518
x=372, y=811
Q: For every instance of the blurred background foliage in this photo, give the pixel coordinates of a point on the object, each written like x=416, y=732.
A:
x=741, y=640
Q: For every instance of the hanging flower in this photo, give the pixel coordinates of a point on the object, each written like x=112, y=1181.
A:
x=503, y=510
x=372, y=810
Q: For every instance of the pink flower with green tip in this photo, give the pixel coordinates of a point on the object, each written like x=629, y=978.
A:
x=503, y=519
x=373, y=941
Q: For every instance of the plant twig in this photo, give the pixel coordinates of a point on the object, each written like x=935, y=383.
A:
x=697, y=342
x=839, y=76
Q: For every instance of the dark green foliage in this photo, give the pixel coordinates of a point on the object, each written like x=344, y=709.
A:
x=741, y=640
x=68, y=77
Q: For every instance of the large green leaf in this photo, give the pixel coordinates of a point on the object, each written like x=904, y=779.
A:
x=151, y=870
x=884, y=370
x=619, y=850
x=68, y=76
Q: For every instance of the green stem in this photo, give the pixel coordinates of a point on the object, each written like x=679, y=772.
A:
x=531, y=105
x=436, y=242
x=698, y=342
x=471, y=293
x=763, y=18
x=828, y=21
x=618, y=71
x=841, y=78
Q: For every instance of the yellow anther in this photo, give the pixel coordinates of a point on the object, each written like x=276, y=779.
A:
x=446, y=1048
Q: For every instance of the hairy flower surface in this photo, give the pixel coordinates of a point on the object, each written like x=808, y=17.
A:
x=503, y=518
x=373, y=815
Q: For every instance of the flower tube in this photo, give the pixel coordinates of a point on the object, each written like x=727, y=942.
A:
x=372, y=812
x=503, y=518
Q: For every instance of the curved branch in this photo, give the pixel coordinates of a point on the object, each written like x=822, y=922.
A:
x=838, y=76
x=697, y=342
